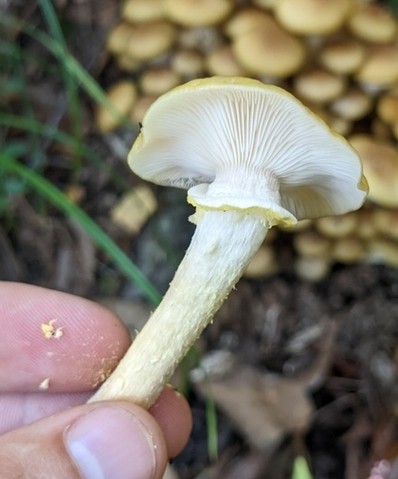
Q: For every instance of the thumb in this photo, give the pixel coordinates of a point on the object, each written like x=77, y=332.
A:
x=99, y=440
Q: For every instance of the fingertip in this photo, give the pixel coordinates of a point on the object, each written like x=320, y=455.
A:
x=57, y=339
x=117, y=440
x=174, y=416
x=105, y=439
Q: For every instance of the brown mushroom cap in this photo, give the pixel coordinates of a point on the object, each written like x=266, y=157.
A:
x=387, y=107
x=366, y=228
x=337, y=226
x=380, y=67
x=138, y=11
x=312, y=17
x=342, y=56
x=381, y=251
x=380, y=164
x=386, y=222
x=119, y=37
x=148, y=40
x=156, y=81
x=311, y=243
x=269, y=50
x=197, y=13
x=188, y=63
x=263, y=263
x=373, y=23
x=122, y=95
x=312, y=268
x=222, y=61
x=140, y=107
x=348, y=250
x=126, y=63
x=353, y=104
x=319, y=86
x=245, y=20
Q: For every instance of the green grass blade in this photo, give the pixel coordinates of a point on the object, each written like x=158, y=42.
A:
x=212, y=429
x=52, y=22
x=69, y=80
x=58, y=199
x=301, y=469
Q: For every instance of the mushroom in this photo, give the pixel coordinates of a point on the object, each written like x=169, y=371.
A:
x=380, y=161
x=263, y=47
x=348, y=250
x=197, y=13
x=149, y=40
x=373, y=23
x=187, y=62
x=312, y=268
x=387, y=107
x=343, y=56
x=311, y=243
x=123, y=96
x=251, y=156
x=319, y=86
x=156, y=81
x=263, y=263
x=312, y=17
x=337, y=227
x=142, y=11
x=352, y=105
x=222, y=61
x=379, y=69
x=386, y=222
x=141, y=106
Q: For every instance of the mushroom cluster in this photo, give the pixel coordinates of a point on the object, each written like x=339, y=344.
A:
x=339, y=57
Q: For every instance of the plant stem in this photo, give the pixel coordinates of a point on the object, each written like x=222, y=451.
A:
x=221, y=248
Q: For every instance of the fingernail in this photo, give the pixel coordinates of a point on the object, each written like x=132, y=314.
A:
x=110, y=442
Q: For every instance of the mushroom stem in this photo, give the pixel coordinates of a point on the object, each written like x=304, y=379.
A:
x=221, y=248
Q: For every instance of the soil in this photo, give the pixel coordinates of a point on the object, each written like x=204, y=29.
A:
x=319, y=361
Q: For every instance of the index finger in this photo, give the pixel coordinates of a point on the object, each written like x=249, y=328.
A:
x=55, y=341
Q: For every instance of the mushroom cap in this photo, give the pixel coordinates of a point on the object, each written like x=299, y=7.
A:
x=148, y=40
x=244, y=21
x=380, y=163
x=118, y=37
x=187, y=62
x=156, y=81
x=387, y=107
x=197, y=13
x=380, y=68
x=312, y=17
x=373, y=23
x=319, y=86
x=342, y=56
x=353, y=104
x=236, y=143
x=268, y=49
x=222, y=61
x=123, y=96
x=138, y=11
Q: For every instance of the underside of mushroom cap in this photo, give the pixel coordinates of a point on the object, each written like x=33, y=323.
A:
x=236, y=143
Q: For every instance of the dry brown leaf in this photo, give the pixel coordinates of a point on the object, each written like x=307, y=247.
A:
x=264, y=407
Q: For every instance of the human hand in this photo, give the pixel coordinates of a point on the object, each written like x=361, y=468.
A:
x=54, y=349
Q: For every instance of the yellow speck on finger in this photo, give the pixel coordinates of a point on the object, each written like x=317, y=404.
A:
x=50, y=331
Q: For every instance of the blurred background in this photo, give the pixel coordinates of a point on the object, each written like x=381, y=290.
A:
x=297, y=376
